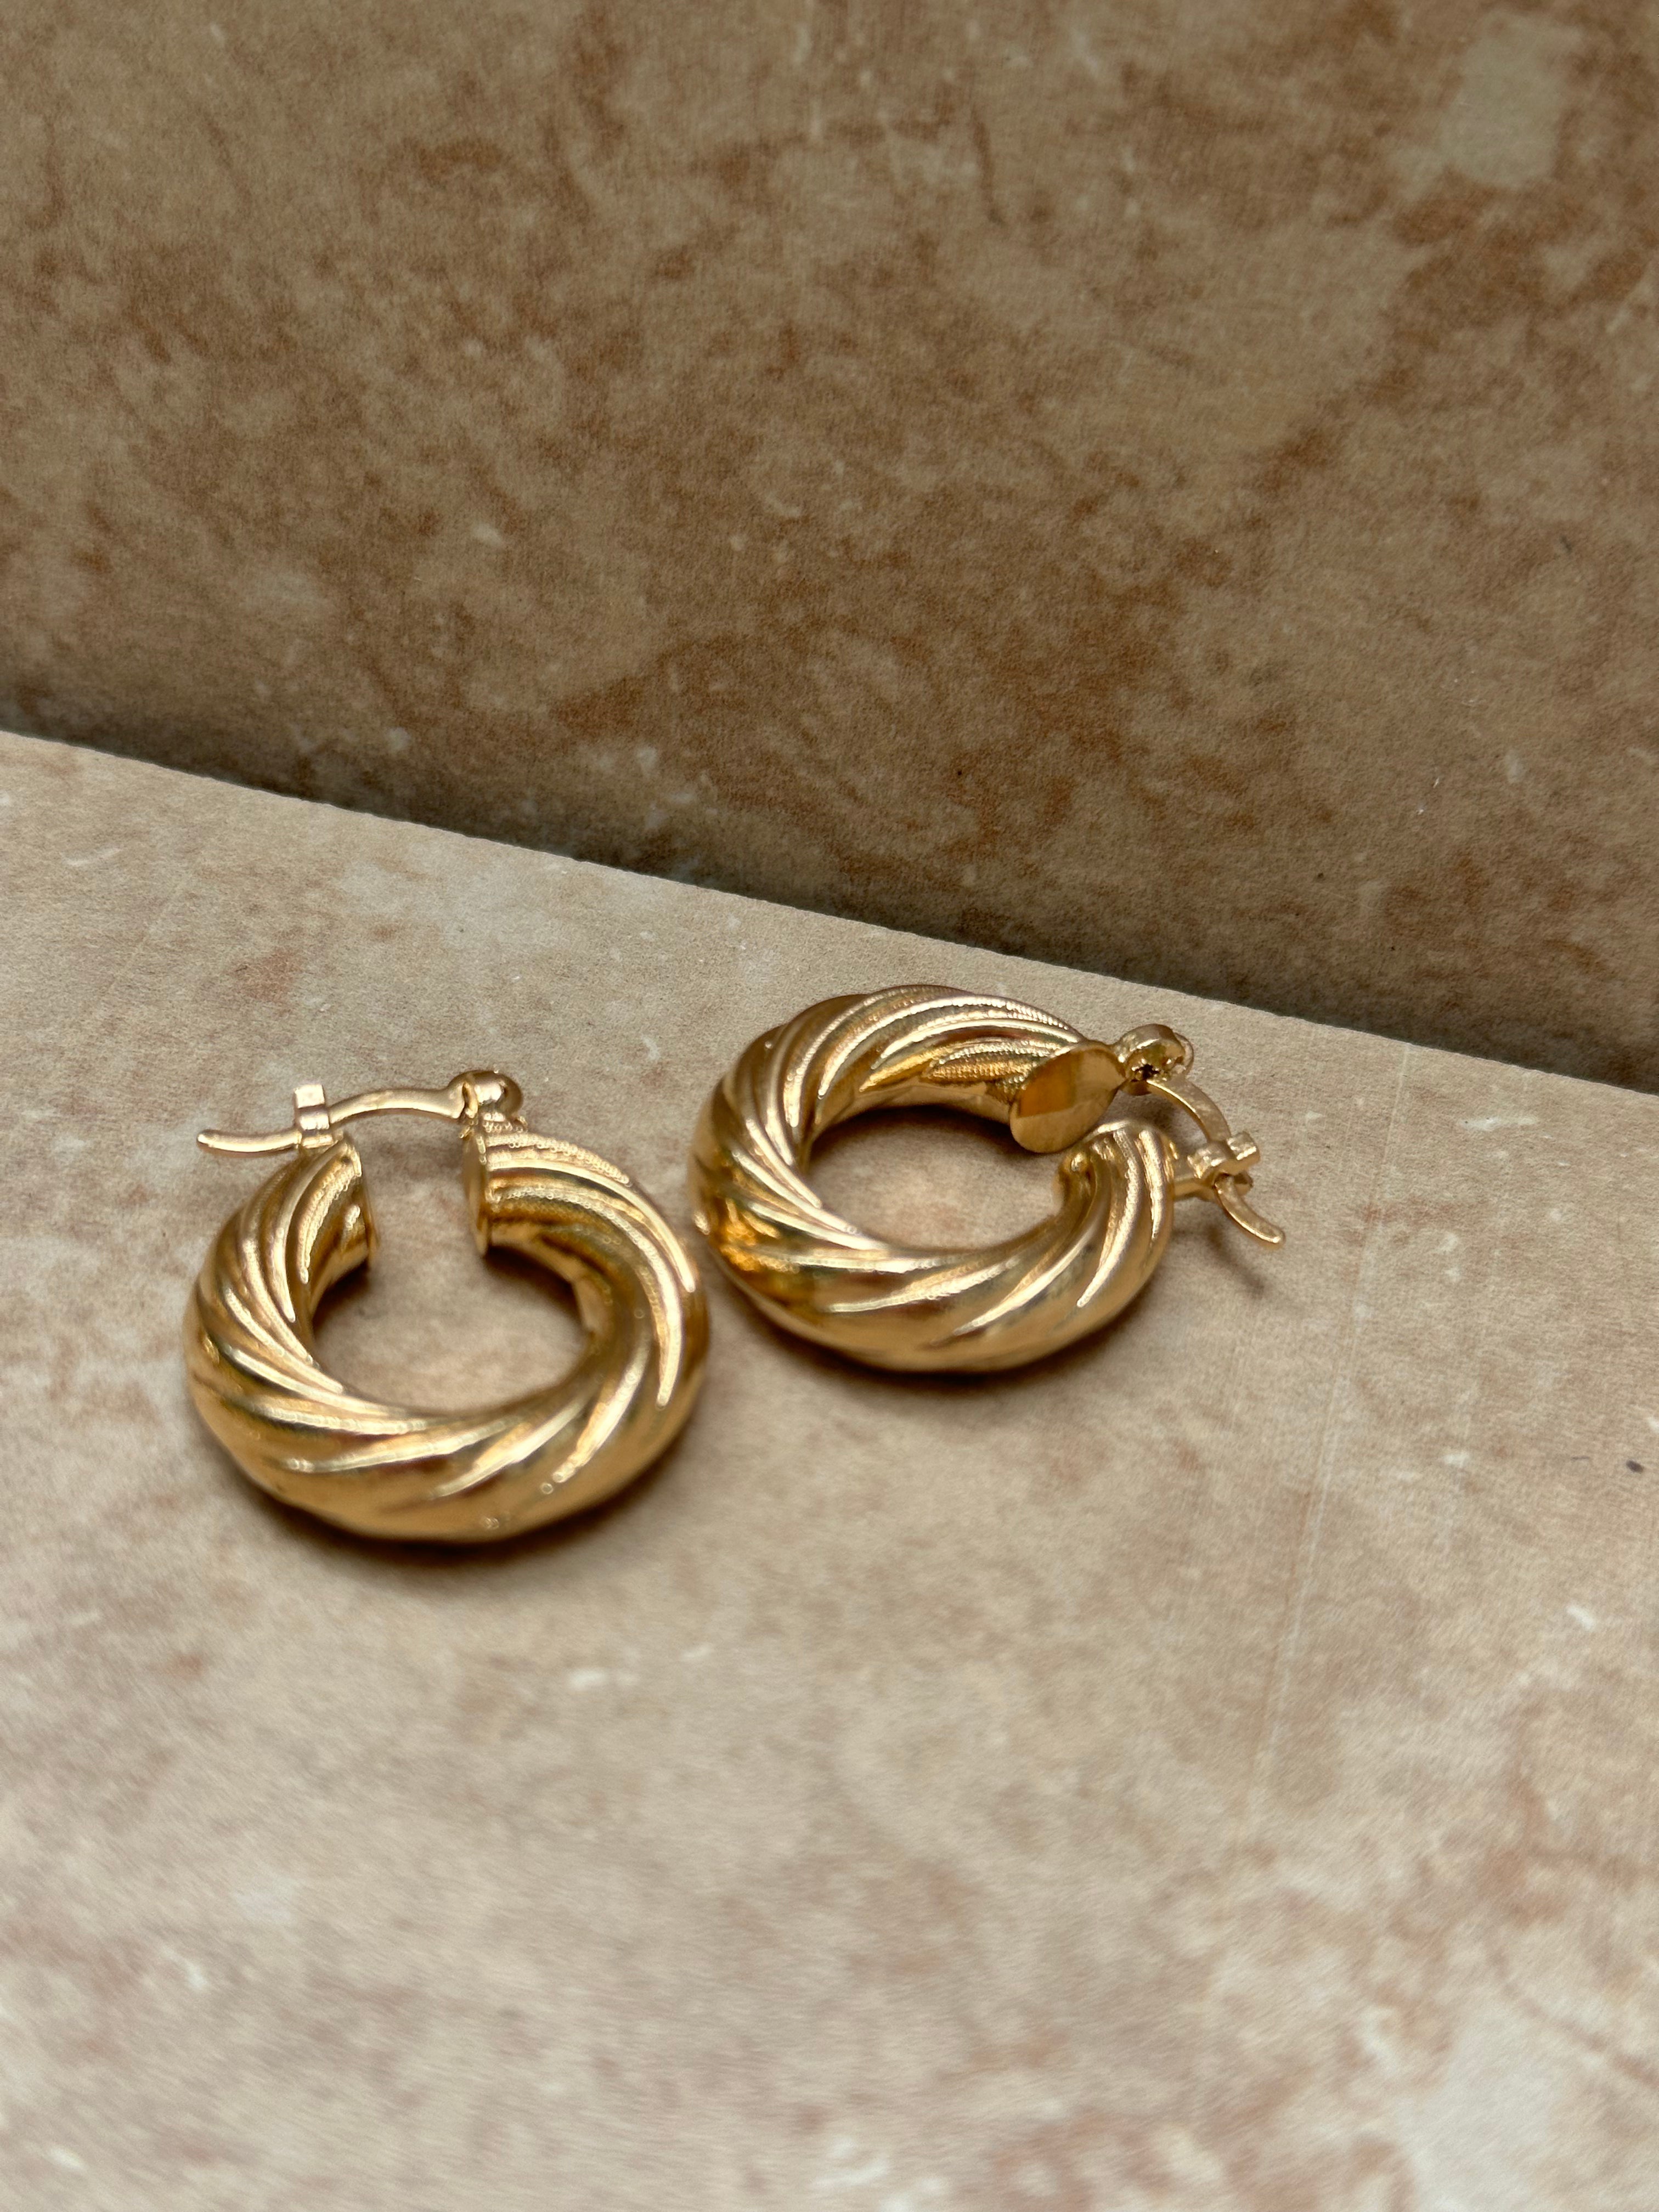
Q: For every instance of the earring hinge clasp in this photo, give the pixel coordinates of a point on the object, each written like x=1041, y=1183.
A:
x=478, y=1090
x=1220, y=1168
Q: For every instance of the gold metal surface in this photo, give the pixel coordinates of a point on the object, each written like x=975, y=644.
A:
x=902, y=1306
x=394, y=1471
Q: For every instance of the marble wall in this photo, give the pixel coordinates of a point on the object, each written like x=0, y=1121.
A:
x=1164, y=487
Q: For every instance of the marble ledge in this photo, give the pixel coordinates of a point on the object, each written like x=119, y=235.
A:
x=1213, y=1770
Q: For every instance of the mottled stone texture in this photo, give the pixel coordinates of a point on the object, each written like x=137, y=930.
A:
x=1163, y=485
x=1214, y=1771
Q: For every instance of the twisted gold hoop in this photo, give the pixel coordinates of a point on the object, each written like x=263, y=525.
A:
x=458, y=1478
x=902, y=1306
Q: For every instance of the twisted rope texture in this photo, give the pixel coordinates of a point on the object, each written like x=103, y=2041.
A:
x=396, y=1471
x=900, y=1305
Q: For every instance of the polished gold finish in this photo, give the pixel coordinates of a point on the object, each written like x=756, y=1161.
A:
x=897, y=1305
x=453, y=1478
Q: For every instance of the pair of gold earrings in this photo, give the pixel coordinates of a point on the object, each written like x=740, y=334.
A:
x=389, y=1471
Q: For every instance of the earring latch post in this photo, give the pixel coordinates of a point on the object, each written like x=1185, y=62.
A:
x=478, y=1090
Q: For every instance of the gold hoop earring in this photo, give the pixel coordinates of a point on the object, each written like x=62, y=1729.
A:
x=392, y=1470
x=898, y=1305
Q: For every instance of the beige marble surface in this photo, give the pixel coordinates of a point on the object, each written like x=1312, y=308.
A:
x=1164, y=486
x=1215, y=1773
